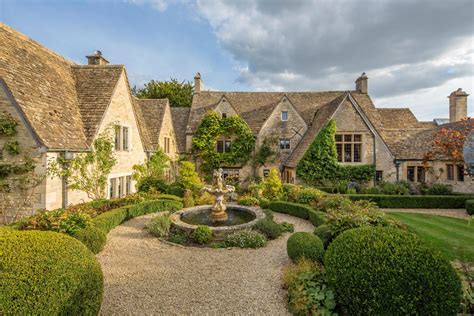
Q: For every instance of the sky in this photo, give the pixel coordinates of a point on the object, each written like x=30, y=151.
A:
x=415, y=52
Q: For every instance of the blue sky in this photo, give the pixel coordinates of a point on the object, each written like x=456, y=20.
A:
x=415, y=52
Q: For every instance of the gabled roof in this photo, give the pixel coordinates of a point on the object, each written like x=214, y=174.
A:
x=153, y=113
x=255, y=107
x=95, y=86
x=180, y=115
x=321, y=118
x=43, y=86
x=142, y=127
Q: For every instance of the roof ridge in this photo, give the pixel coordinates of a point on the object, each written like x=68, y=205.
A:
x=77, y=66
x=25, y=37
x=282, y=92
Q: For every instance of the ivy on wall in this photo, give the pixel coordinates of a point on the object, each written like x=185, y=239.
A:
x=213, y=126
x=319, y=163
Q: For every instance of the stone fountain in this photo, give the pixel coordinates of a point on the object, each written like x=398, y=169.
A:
x=219, y=190
x=221, y=219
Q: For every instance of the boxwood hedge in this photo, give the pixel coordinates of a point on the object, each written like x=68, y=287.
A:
x=470, y=207
x=47, y=273
x=305, y=245
x=414, y=201
x=386, y=271
x=299, y=210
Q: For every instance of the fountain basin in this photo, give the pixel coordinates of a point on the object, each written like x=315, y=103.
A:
x=239, y=218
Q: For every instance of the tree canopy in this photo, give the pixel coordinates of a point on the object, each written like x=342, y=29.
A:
x=179, y=93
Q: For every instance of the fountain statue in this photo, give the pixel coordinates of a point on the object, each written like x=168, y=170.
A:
x=219, y=190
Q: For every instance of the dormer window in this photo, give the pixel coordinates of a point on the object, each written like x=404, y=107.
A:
x=122, y=138
x=284, y=116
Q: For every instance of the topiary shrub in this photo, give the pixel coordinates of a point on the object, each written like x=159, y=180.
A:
x=202, y=234
x=294, y=209
x=159, y=226
x=325, y=234
x=317, y=218
x=246, y=239
x=93, y=237
x=305, y=245
x=269, y=228
x=109, y=220
x=470, y=207
x=47, y=273
x=384, y=271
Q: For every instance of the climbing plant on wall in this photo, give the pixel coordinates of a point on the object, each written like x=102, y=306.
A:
x=18, y=179
x=319, y=163
x=213, y=126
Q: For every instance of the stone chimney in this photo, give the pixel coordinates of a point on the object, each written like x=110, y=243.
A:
x=96, y=59
x=362, y=83
x=198, y=84
x=457, y=105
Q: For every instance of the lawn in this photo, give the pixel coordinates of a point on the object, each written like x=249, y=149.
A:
x=452, y=236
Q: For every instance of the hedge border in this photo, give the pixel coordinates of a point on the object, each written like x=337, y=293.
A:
x=413, y=201
x=299, y=210
x=470, y=207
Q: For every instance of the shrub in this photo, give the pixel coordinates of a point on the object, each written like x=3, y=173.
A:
x=247, y=200
x=159, y=226
x=178, y=237
x=305, y=245
x=268, y=213
x=269, y=228
x=470, y=207
x=301, y=194
x=294, y=209
x=152, y=207
x=414, y=201
x=317, y=218
x=176, y=189
x=272, y=185
x=287, y=227
x=205, y=198
x=188, y=200
x=202, y=234
x=263, y=202
x=170, y=197
x=325, y=234
x=109, y=220
x=92, y=237
x=60, y=220
x=47, y=273
x=332, y=202
x=308, y=291
x=246, y=239
x=188, y=177
x=383, y=271
x=147, y=184
x=439, y=189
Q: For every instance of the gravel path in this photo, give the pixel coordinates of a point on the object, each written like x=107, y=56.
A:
x=459, y=213
x=145, y=276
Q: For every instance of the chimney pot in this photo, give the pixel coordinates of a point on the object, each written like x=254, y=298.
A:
x=96, y=59
x=362, y=83
x=198, y=84
x=457, y=105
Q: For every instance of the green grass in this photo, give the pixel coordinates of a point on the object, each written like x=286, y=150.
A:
x=452, y=236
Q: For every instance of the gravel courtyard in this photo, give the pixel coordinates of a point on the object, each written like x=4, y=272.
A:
x=145, y=276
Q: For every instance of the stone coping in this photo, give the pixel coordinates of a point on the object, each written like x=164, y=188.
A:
x=221, y=231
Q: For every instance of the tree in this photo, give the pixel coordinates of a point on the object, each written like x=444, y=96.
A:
x=88, y=172
x=153, y=168
x=178, y=93
x=448, y=142
x=272, y=185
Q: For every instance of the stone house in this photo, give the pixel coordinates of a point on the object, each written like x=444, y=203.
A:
x=61, y=108
x=391, y=139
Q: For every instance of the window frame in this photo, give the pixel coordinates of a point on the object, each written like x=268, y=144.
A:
x=346, y=145
x=450, y=172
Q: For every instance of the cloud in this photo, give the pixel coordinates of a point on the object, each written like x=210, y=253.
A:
x=403, y=45
x=160, y=5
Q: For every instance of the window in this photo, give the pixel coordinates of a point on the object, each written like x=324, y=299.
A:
x=284, y=116
x=349, y=147
x=378, y=176
x=224, y=146
x=266, y=172
x=122, y=138
x=230, y=172
x=125, y=138
x=450, y=172
x=284, y=144
x=128, y=185
x=112, y=188
x=120, y=186
x=416, y=174
x=167, y=145
x=411, y=174
x=224, y=115
x=460, y=172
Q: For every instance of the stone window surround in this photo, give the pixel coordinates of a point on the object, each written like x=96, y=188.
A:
x=119, y=179
x=454, y=174
x=284, y=115
x=419, y=173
